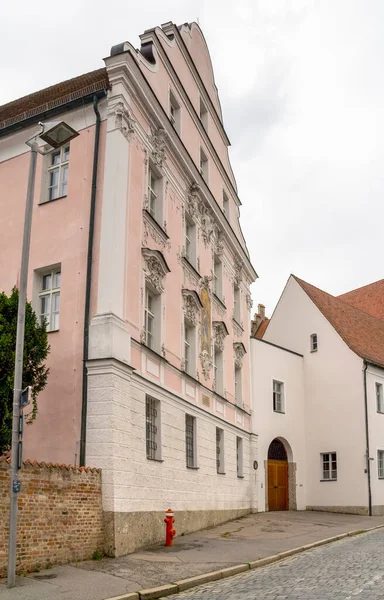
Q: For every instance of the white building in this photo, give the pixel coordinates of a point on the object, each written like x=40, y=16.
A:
x=318, y=408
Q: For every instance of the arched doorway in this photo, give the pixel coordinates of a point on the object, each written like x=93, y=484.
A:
x=278, y=483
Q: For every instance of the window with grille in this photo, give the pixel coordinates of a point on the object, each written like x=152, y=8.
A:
x=220, y=450
x=49, y=298
x=329, y=466
x=380, y=464
x=379, y=397
x=239, y=456
x=313, y=342
x=190, y=440
x=152, y=417
x=278, y=396
x=58, y=173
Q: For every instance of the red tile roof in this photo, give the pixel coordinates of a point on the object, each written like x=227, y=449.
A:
x=52, y=97
x=369, y=298
x=362, y=332
x=262, y=329
x=35, y=463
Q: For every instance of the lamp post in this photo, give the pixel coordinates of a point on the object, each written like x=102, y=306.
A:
x=55, y=134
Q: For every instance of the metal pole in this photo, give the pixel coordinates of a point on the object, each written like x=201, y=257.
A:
x=19, y=353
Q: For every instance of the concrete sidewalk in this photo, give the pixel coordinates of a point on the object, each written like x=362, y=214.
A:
x=241, y=541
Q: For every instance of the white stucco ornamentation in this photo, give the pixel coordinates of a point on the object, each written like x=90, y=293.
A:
x=207, y=223
x=220, y=333
x=192, y=306
x=239, y=351
x=192, y=201
x=205, y=282
x=157, y=140
x=123, y=120
x=150, y=230
x=249, y=302
x=155, y=268
x=238, y=271
x=206, y=363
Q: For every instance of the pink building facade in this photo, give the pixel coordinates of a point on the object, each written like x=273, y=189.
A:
x=138, y=236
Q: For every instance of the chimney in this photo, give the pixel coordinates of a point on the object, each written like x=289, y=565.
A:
x=258, y=318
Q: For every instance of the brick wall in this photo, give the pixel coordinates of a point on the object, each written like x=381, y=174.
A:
x=60, y=517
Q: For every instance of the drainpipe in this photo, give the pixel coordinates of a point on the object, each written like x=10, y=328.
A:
x=88, y=282
x=367, y=440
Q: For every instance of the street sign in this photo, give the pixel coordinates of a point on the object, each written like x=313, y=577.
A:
x=25, y=396
x=16, y=486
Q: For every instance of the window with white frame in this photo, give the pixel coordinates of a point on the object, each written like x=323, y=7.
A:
x=152, y=319
x=225, y=205
x=380, y=464
x=203, y=114
x=190, y=441
x=329, y=466
x=313, y=342
x=220, y=450
x=174, y=112
x=189, y=349
x=238, y=386
x=239, y=457
x=379, y=397
x=155, y=183
x=49, y=298
x=203, y=165
x=153, y=424
x=236, y=304
x=218, y=277
x=278, y=396
x=190, y=241
x=58, y=172
x=218, y=370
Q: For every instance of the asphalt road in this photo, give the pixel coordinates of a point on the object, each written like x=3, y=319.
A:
x=351, y=569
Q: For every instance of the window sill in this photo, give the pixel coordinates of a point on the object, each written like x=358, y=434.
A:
x=312, y=351
x=237, y=323
x=279, y=412
x=326, y=480
x=220, y=473
x=381, y=477
x=156, y=224
x=380, y=412
x=193, y=468
x=160, y=460
x=53, y=330
x=152, y=351
x=240, y=477
x=53, y=200
x=219, y=300
x=191, y=266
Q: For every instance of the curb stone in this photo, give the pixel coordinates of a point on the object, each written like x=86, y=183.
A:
x=185, y=584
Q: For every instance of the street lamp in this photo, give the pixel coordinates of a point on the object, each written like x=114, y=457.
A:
x=55, y=134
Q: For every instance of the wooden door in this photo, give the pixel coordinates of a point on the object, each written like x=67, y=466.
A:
x=278, y=485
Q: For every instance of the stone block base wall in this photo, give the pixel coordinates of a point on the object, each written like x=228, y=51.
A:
x=127, y=532
x=60, y=516
x=348, y=510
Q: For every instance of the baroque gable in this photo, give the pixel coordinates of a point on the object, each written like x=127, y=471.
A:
x=155, y=268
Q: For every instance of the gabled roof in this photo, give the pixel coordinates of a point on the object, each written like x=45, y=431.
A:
x=260, y=331
x=363, y=333
x=52, y=97
x=369, y=298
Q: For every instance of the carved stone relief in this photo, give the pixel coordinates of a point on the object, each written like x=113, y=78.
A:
x=220, y=333
x=206, y=363
x=192, y=201
x=155, y=268
x=123, y=120
x=249, y=302
x=157, y=140
x=239, y=351
x=151, y=231
x=192, y=306
x=238, y=271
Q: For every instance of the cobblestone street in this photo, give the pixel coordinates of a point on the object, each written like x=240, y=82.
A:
x=345, y=570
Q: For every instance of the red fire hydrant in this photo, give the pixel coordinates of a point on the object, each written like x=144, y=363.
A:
x=169, y=531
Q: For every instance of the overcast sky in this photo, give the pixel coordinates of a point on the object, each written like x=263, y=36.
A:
x=302, y=93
